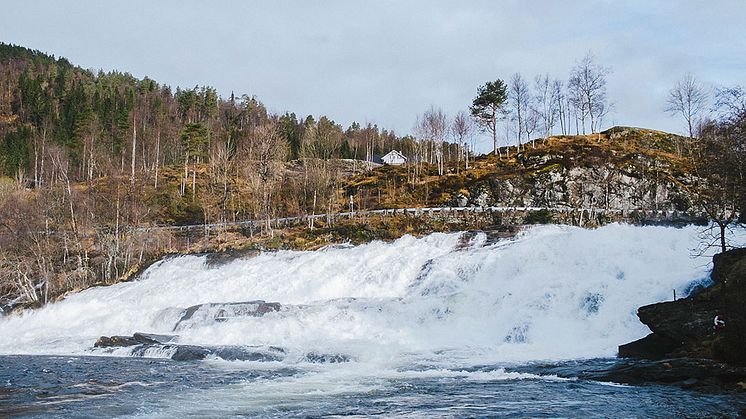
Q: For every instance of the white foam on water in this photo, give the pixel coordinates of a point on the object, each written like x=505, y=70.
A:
x=319, y=385
x=553, y=292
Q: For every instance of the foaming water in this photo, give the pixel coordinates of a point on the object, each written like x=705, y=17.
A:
x=553, y=292
x=434, y=325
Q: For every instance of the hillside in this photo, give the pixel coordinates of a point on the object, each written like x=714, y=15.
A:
x=621, y=168
x=95, y=167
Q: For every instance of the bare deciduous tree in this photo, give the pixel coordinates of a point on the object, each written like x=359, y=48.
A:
x=688, y=99
x=461, y=130
x=520, y=98
x=563, y=105
x=432, y=127
x=264, y=172
x=730, y=102
x=719, y=169
x=547, y=102
x=587, y=87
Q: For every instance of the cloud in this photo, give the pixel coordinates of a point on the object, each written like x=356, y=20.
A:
x=387, y=61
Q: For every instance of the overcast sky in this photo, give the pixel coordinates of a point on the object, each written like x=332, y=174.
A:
x=387, y=61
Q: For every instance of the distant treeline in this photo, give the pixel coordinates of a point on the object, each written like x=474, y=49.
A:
x=103, y=123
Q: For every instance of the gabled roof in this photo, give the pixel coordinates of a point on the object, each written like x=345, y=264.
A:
x=395, y=153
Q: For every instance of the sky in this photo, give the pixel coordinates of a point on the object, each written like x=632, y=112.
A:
x=387, y=61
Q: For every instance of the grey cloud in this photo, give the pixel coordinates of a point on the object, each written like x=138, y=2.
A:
x=387, y=61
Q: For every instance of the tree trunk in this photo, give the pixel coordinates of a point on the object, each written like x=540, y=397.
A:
x=134, y=146
x=723, y=247
x=157, y=158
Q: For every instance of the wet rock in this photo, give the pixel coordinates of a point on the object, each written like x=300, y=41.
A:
x=686, y=321
x=149, y=345
x=651, y=346
x=723, y=264
x=689, y=383
x=115, y=341
x=699, y=374
x=326, y=358
x=241, y=353
x=217, y=259
x=190, y=353
x=136, y=339
x=689, y=321
x=224, y=311
x=153, y=338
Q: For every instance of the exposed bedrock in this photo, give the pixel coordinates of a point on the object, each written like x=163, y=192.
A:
x=155, y=345
x=150, y=345
x=700, y=374
x=685, y=328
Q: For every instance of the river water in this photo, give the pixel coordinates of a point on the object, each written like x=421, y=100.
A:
x=448, y=325
x=54, y=386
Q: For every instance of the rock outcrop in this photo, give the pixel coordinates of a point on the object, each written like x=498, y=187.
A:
x=168, y=346
x=136, y=339
x=148, y=345
x=685, y=328
x=690, y=373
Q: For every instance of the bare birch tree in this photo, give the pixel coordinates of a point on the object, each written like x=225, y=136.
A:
x=432, y=127
x=547, y=103
x=687, y=98
x=461, y=130
x=519, y=97
x=587, y=86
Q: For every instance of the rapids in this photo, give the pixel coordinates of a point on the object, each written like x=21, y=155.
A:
x=550, y=293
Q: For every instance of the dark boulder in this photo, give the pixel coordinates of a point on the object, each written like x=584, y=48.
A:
x=685, y=321
x=136, y=339
x=217, y=259
x=247, y=353
x=692, y=373
x=190, y=353
x=149, y=344
x=115, y=341
x=153, y=338
x=723, y=264
x=651, y=346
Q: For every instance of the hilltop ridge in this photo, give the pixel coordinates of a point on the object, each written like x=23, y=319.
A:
x=623, y=168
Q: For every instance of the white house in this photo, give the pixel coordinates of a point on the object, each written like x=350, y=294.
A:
x=394, y=158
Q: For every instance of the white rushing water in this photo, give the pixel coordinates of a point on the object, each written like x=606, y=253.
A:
x=553, y=292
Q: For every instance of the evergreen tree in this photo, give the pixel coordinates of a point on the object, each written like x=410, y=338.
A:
x=488, y=107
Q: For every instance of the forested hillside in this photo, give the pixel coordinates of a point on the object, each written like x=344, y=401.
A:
x=88, y=158
x=107, y=123
x=91, y=161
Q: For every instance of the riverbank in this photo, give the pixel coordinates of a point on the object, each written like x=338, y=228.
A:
x=685, y=345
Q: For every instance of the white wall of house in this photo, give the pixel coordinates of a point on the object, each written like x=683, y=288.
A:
x=394, y=158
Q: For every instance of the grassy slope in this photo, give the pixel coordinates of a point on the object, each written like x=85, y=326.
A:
x=623, y=148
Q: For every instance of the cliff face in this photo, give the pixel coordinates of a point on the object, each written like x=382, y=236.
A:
x=684, y=328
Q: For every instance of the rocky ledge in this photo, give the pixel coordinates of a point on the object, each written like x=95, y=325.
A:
x=150, y=345
x=170, y=346
x=685, y=346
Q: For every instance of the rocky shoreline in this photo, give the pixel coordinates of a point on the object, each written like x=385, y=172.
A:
x=685, y=347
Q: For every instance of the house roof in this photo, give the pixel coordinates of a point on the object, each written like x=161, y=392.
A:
x=393, y=153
